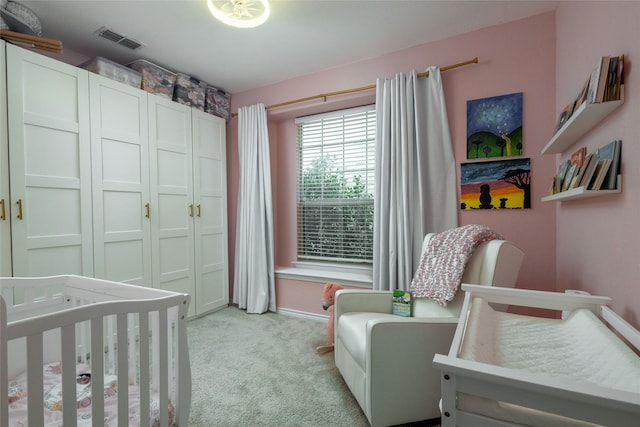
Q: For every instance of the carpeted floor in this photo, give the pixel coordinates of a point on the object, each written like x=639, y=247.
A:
x=262, y=370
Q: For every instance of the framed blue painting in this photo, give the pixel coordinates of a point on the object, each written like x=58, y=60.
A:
x=494, y=127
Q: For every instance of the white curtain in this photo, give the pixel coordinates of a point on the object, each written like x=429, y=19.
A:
x=254, y=284
x=415, y=190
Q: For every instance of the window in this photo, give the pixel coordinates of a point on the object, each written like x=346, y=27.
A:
x=336, y=184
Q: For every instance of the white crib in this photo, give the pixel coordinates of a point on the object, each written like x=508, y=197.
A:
x=118, y=352
x=505, y=369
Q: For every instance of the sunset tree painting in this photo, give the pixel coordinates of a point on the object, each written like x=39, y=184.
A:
x=500, y=184
x=494, y=126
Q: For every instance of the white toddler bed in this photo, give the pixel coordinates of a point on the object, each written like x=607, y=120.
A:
x=505, y=369
x=117, y=352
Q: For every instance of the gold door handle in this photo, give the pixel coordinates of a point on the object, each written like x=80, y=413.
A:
x=198, y=210
x=3, y=215
x=191, y=210
x=148, y=208
x=19, y=203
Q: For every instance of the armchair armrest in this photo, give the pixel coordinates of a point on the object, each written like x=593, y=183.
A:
x=348, y=300
x=408, y=341
x=399, y=354
x=409, y=329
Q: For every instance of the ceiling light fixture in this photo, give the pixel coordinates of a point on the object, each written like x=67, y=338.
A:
x=240, y=13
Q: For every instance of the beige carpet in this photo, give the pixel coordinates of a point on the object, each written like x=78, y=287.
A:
x=262, y=370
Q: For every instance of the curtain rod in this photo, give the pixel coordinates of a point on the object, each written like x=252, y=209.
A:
x=324, y=96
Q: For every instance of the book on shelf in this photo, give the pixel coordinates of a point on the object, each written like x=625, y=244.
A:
x=575, y=179
x=564, y=115
x=578, y=156
x=585, y=165
x=582, y=96
x=589, y=171
x=614, y=78
x=560, y=176
x=577, y=159
x=611, y=151
x=601, y=171
x=568, y=179
x=612, y=178
x=606, y=79
x=598, y=80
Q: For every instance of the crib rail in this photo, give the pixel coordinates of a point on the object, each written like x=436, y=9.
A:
x=135, y=334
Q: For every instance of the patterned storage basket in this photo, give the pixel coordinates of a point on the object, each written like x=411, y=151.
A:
x=155, y=79
x=189, y=91
x=217, y=102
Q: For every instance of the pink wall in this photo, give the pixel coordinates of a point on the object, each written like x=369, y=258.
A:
x=598, y=240
x=513, y=57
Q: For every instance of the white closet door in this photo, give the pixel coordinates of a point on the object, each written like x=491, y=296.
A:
x=5, y=228
x=120, y=169
x=50, y=175
x=171, y=195
x=210, y=194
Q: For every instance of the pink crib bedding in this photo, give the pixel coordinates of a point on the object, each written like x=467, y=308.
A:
x=53, y=400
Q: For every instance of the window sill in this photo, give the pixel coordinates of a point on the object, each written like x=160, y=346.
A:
x=318, y=272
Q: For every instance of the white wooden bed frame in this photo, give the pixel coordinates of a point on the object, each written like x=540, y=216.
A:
x=580, y=401
x=135, y=333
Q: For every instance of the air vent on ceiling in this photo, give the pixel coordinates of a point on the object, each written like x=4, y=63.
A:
x=122, y=40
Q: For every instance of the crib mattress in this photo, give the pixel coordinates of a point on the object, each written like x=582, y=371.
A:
x=52, y=387
x=579, y=348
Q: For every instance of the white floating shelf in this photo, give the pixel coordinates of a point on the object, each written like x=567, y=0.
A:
x=582, y=193
x=580, y=122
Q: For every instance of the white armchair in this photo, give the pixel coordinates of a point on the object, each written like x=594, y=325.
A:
x=385, y=360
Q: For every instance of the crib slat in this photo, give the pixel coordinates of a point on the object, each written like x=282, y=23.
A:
x=111, y=347
x=123, y=371
x=97, y=372
x=4, y=366
x=145, y=398
x=164, y=369
x=68, y=341
x=172, y=330
x=35, y=380
x=182, y=368
x=132, y=352
x=83, y=336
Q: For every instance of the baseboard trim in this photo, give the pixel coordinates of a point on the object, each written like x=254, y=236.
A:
x=283, y=311
x=302, y=314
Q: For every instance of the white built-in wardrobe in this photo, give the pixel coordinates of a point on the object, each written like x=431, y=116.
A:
x=101, y=179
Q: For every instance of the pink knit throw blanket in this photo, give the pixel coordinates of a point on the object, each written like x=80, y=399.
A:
x=442, y=265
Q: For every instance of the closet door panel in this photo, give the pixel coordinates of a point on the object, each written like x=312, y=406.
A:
x=120, y=259
x=5, y=202
x=50, y=174
x=121, y=197
x=170, y=140
x=212, y=274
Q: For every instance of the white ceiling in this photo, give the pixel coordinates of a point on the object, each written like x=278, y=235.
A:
x=300, y=37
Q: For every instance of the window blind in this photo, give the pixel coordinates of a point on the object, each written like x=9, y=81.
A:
x=336, y=160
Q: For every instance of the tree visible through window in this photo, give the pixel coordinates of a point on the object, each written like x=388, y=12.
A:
x=335, y=185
